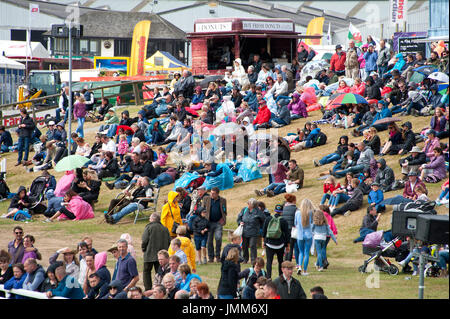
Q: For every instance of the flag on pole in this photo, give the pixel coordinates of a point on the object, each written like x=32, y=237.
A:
x=315, y=27
x=355, y=35
x=329, y=33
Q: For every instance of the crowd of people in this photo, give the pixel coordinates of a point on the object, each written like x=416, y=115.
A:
x=132, y=154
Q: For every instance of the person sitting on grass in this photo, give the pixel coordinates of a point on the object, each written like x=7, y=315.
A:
x=334, y=157
x=443, y=196
x=329, y=186
x=20, y=202
x=376, y=197
x=73, y=208
x=354, y=203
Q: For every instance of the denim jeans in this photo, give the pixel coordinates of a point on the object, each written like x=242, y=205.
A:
x=79, y=129
x=399, y=199
x=122, y=181
x=279, y=121
x=354, y=169
x=443, y=259
x=169, y=147
x=321, y=251
x=363, y=233
x=272, y=187
x=325, y=197
x=130, y=208
x=329, y=158
x=163, y=179
x=214, y=233
x=23, y=145
x=304, y=247
x=381, y=70
x=58, y=115
x=397, y=109
x=415, y=106
x=339, y=198
x=443, y=194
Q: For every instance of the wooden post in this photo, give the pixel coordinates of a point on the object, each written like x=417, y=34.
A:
x=382, y=29
x=34, y=113
x=137, y=98
x=404, y=26
x=268, y=46
x=103, y=94
x=237, y=48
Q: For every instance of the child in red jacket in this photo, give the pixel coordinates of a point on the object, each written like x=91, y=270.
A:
x=329, y=186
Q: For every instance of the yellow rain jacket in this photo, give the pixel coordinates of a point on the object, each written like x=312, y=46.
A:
x=189, y=250
x=166, y=216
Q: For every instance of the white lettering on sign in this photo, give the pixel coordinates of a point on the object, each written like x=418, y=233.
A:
x=213, y=27
x=267, y=26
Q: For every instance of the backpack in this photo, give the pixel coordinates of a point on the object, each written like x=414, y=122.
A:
x=4, y=189
x=321, y=139
x=252, y=271
x=274, y=228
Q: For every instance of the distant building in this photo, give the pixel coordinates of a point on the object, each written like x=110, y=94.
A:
x=109, y=33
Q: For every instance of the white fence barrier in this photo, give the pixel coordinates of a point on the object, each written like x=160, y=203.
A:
x=26, y=293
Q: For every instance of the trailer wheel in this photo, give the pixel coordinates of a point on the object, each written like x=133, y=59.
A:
x=362, y=268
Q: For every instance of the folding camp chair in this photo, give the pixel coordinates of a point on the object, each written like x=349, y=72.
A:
x=153, y=202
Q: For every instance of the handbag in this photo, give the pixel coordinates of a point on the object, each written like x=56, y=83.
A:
x=239, y=230
x=175, y=224
x=294, y=232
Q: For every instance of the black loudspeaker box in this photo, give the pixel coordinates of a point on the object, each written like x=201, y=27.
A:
x=404, y=223
x=433, y=229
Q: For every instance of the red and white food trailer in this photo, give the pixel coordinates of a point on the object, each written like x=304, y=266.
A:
x=216, y=41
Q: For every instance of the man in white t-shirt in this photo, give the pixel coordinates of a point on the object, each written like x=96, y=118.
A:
x=279, y=88
x=108, y=145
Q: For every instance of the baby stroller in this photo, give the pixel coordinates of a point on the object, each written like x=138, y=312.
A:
x=379, y=245
x=37, y=195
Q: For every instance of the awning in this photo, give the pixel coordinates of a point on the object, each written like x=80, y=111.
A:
x=431, y=39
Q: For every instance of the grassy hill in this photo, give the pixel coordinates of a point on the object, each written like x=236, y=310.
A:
x=341, y=280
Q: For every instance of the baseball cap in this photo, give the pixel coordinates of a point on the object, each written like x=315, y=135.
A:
x=338, y=46
x=278, y=208
x=51, y=123
x=413, y=173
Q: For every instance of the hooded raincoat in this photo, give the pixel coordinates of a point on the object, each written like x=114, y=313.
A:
x=171, y=213
x=80, y=208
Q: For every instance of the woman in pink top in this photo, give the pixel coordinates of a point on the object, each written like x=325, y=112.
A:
x=79, y=113
x=326, y=212
x=74, y=208
x=64, y=184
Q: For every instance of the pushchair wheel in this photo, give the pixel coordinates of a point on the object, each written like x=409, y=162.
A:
x=393, y=270
x=362, y=268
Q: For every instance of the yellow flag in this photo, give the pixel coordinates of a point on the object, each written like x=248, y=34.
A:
x=315, y=27
x=139, y=47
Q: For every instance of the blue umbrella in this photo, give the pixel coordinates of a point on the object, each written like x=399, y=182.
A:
x=426, y=69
